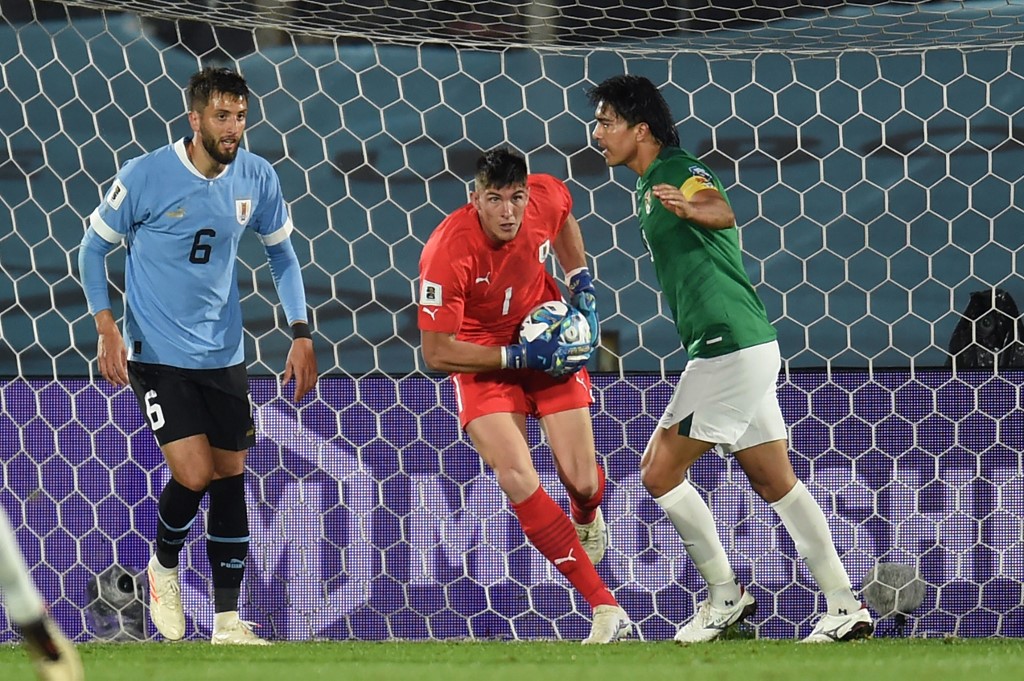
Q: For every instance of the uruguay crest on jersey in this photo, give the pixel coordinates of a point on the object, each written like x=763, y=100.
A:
x=243, y=209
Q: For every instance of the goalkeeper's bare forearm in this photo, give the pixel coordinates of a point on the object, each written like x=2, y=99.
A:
x=442, y=352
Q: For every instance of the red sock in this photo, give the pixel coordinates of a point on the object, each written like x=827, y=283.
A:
x=584, y=510
x=549, y=530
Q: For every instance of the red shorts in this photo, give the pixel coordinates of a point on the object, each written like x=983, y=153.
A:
x=533, y=393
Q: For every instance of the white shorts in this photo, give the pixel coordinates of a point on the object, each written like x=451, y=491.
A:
x=729, y=401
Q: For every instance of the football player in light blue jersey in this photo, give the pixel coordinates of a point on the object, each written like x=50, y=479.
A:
x=181, y=211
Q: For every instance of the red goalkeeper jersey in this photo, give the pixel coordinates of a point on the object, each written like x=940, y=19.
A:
x=480, y=291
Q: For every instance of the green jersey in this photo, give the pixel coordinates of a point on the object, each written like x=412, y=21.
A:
x=700, y=270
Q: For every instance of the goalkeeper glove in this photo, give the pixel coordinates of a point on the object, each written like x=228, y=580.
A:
x=581, y=286
x=547, y=353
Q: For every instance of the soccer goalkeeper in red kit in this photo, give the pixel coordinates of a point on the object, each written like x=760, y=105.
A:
x=481, y=273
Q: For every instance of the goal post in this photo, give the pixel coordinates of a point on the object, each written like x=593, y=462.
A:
x=869, y=150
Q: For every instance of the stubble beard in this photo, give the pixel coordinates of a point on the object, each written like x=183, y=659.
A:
x=213, y=149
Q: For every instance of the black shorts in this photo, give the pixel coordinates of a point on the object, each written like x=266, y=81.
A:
x=179, y=403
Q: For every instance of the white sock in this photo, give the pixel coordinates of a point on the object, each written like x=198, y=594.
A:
x=21, y=598
x=806, y=524
x=696, y=527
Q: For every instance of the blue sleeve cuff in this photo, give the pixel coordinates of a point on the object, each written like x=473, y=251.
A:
x=287, y=273
x=92, y=268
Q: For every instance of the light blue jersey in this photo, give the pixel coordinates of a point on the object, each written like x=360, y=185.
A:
x=181, y=231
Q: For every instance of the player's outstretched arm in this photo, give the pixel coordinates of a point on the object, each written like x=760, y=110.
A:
x=301, y=361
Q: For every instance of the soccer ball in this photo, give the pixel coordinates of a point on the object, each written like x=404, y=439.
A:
x=550, y=314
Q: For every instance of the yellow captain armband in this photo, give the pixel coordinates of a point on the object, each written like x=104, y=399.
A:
x=694, y=184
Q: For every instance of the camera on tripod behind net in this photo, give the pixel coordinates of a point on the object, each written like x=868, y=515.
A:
x=116, y=604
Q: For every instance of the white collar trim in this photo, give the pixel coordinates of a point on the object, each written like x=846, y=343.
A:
x=179, y=149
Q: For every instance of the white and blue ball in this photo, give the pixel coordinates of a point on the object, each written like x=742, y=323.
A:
x=551, y=314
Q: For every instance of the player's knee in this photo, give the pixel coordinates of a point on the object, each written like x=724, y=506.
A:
x=772, y=490
x=648, y=473
x=658, y=480
x=654, y=486
x=517, y=482
x=197, y=479
x=228, y=468
x=771, y=483
x=582, y=490
x=579, y=476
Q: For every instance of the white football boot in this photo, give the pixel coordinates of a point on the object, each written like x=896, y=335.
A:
x=593, y=536
x=838, y=628
x=710, y=622
x=165, y=601
x=55, y=659
x=229, y=630
x=611, y=623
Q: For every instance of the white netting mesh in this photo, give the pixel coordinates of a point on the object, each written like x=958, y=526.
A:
x=876, y=190
x=717, y=25
x=870, y=150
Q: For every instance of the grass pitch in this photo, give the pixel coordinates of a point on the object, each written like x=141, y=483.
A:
x=876, y=660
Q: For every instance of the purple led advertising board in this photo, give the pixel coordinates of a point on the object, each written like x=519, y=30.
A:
x=372, y=517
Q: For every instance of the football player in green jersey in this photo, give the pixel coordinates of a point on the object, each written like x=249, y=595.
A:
x=726, y=396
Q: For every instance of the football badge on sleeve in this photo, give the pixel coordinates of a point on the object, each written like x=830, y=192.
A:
x=116, y=194
x=430, y=294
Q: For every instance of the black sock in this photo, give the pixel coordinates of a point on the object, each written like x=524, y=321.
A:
x=227, y=540
x=38, y=638
x=177, y=510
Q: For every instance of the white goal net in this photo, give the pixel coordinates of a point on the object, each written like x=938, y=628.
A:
x=871, y=152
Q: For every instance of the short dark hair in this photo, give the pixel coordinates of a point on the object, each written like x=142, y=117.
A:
x=212, y=79
x=500, y=168
x=637, y=100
